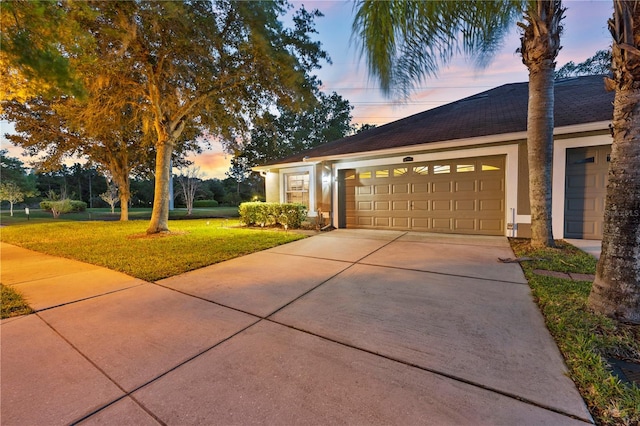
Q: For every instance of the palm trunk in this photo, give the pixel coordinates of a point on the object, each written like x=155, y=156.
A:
x=616, y=289
x=160, y=214
x=540, y=152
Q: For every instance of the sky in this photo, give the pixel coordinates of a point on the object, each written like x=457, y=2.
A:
x=585, y=32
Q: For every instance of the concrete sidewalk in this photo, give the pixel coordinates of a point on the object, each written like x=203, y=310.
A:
x=351, y=326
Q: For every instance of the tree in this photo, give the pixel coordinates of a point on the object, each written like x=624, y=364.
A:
x=405, y=42
x=239, y=172
x=189, y=180
x=616, y=288
x=63, y=127
x=197, y=66
x=111, y=197
x=291, y=131
x=11, y=192
x=598, y=64
x=539, y=48
x=16, y=185
x=39, y=38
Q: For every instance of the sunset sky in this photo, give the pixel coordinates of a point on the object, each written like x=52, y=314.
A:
x=585, y=32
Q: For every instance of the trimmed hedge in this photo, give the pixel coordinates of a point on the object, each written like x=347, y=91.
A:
x=288, y=215
x=205, y=203
x=74, y=205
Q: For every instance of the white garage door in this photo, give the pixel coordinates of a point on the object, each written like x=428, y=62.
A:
x=454, y=196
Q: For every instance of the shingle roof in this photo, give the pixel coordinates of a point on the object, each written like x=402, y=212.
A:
x=501, y=110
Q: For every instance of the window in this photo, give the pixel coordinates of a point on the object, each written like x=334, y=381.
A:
x=401, y=171
x=439, y=169
x=365, y=175
x=421, y=170
x=383, y=173
x=462, y=168
x=349, y=174
x=297, y=188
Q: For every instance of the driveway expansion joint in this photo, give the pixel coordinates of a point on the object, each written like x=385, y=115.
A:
x=437, y=372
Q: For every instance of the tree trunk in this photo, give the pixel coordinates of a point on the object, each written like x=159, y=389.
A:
x=540, y=152
x=124, y=207
x=616, y=289
x=540, y=44
x=160, y=213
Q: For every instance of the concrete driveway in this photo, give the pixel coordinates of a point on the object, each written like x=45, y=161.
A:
x=347, y=327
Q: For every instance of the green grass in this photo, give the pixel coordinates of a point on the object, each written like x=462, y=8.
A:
x=12, y=302
x=41, y=216
x=124, y=246
x=586, y=339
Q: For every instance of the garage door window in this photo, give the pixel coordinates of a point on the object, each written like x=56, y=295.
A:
x=440, y=169
x=421, y=170
x=297, y=188
x=401, y=171
x=463, y=168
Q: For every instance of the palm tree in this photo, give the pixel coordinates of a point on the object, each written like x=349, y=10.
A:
x=616, y=289
x=405, y=42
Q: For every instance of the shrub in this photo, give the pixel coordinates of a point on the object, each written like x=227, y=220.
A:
x=66, y=205
x=205, y=203
x=288, y=215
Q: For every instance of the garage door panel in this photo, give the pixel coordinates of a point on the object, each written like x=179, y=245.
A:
x=441, y=224
x=465, y=205
x=420, y=188
x=489, y=185
x=491, y=225
x=400, y=188
x=439, y=187
x=468, y=225
x=364, y=190
x=365, y=220
x=400, y=222
x=422, y=223
x=381, y=189
x=365, y=206
x=465, y=186
x=445, y=196
x=441, y=205
x=400, y=205
x=492, y=205
x=381, y=205
x=420, y=205
x=382, y=221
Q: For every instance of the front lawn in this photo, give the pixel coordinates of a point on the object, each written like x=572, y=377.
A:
x=586, y=340
x=124, y=246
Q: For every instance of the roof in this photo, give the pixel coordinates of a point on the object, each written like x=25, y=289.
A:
x=578, y=100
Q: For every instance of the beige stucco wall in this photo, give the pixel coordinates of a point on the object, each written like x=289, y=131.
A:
x=272, y=187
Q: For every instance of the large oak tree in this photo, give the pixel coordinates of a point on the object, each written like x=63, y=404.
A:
x=206, y=66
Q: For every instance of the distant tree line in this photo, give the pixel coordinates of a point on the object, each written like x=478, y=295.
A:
x=86, y=183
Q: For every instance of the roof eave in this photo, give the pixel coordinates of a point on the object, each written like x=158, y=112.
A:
x=456, y=143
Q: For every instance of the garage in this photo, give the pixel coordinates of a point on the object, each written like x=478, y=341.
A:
x=585, y=191
x=464, y=196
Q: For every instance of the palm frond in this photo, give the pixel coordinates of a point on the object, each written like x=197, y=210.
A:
x=405, y=42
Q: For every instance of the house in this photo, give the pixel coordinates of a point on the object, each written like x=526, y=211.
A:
x=459, y=168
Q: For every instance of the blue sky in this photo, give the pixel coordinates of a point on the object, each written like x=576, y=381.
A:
x=585, y=32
